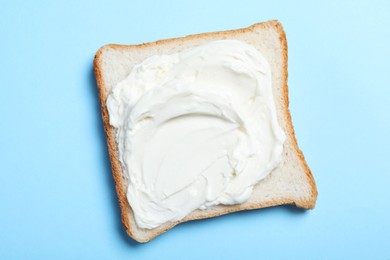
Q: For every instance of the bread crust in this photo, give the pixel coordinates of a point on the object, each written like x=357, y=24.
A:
x=126, y=212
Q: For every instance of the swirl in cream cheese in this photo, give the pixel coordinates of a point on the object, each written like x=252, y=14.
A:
x=195, y=129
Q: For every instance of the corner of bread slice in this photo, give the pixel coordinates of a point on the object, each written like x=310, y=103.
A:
x=291, y=183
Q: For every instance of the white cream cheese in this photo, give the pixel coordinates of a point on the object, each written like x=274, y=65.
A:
x=195, y=129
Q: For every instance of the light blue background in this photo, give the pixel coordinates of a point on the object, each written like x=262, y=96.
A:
x=57, y=197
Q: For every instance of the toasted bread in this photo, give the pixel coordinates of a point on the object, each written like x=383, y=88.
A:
x=291, y=183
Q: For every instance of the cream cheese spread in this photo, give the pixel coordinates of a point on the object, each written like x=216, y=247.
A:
x=195, y=129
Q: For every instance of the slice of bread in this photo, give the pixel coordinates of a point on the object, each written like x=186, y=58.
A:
x=291, y=183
